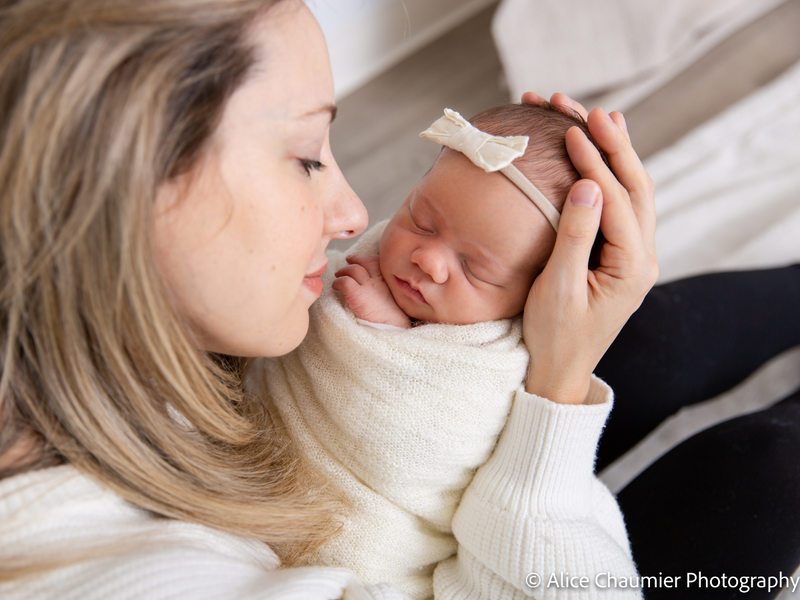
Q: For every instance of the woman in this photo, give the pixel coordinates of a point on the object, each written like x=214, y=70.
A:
x=168, y=192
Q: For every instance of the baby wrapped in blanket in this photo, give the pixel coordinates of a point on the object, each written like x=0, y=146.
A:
x=406, y=378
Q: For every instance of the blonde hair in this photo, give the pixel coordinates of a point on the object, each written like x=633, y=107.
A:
x=100, y=103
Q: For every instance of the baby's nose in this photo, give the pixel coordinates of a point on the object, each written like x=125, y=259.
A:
x=432, y=263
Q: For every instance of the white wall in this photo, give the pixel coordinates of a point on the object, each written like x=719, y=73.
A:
x=366, y=37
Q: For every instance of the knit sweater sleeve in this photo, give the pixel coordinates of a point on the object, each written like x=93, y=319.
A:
x=535, y=513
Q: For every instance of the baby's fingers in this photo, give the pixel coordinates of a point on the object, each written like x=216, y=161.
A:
x=370, y=262
x=346, y=285
x=355, y=272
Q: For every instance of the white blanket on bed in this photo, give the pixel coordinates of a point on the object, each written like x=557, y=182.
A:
x=728, y=193
x=622, y=49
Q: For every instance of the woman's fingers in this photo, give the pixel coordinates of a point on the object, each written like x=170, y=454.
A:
x=627, y=168
x=619, y=119
x=619, y=224
x=572, y=314
x=559, y=99
x=577, y=230
x=532, y=98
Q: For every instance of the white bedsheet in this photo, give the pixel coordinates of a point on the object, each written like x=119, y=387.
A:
x=616, y=50
x=728, y=193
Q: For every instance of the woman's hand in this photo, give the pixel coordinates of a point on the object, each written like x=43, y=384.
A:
x=573, y=314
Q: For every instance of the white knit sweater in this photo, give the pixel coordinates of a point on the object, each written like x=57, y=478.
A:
x=534, y=507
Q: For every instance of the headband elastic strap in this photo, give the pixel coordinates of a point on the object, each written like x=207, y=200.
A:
x=490, y=153
x=532, y=192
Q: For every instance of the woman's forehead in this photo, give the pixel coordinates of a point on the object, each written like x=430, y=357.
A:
x=292, y=75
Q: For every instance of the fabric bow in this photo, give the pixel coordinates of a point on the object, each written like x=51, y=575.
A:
x=489, y=152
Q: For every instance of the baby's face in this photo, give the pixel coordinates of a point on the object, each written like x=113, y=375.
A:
x=464, y=246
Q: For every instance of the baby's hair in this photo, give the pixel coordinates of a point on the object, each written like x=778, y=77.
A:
x=545, y=162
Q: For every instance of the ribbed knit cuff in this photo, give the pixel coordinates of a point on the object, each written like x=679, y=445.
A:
x=538, y=483
x=544, y=459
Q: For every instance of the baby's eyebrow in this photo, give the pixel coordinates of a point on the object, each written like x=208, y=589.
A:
x=426, y=204
x=487, y=260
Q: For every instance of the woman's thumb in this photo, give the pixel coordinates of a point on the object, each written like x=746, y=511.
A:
x=577, y=229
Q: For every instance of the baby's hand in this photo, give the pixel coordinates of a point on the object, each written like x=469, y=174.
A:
x=366, y=292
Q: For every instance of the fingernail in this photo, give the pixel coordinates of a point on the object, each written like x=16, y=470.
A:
x=585, y=194
x=608, y=116
x=624, y=123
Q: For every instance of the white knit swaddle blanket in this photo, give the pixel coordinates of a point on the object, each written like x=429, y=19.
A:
x=400, y=419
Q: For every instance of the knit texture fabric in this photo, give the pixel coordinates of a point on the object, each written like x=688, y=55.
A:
x=534, y=507
x=113, y=550
x=401, y=419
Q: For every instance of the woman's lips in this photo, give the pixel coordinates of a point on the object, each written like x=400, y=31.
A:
x=313, y=281
x=410, y=290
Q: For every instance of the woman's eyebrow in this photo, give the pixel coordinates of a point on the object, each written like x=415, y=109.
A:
x=328, y=108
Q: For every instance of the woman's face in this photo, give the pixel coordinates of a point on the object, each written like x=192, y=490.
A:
x=241, y=238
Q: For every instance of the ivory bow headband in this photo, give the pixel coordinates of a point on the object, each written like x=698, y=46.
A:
x=490, y=153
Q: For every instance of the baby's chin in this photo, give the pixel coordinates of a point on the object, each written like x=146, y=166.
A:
x=433, y=314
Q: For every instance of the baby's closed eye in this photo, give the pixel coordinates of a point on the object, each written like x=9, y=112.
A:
x=478, y=275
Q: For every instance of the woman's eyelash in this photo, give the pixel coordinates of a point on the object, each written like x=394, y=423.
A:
x=311, y=165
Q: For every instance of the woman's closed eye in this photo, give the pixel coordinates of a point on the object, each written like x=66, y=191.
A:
x=311, y=165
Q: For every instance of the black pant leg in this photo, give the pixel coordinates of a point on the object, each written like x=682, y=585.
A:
x=691, y=340
x=726, y=501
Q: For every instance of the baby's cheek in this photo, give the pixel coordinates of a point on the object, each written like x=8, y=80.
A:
x=512, y=303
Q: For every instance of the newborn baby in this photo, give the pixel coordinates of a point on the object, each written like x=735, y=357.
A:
x=400, y=417
x=466, y=244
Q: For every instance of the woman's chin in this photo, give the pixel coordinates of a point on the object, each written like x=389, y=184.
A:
x=290, y=336
x=281, y=339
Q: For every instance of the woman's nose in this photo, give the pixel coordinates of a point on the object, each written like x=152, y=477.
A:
x=345, y=215
x=431, y=262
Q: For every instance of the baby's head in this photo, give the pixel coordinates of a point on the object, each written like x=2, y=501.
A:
x=466, y=245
